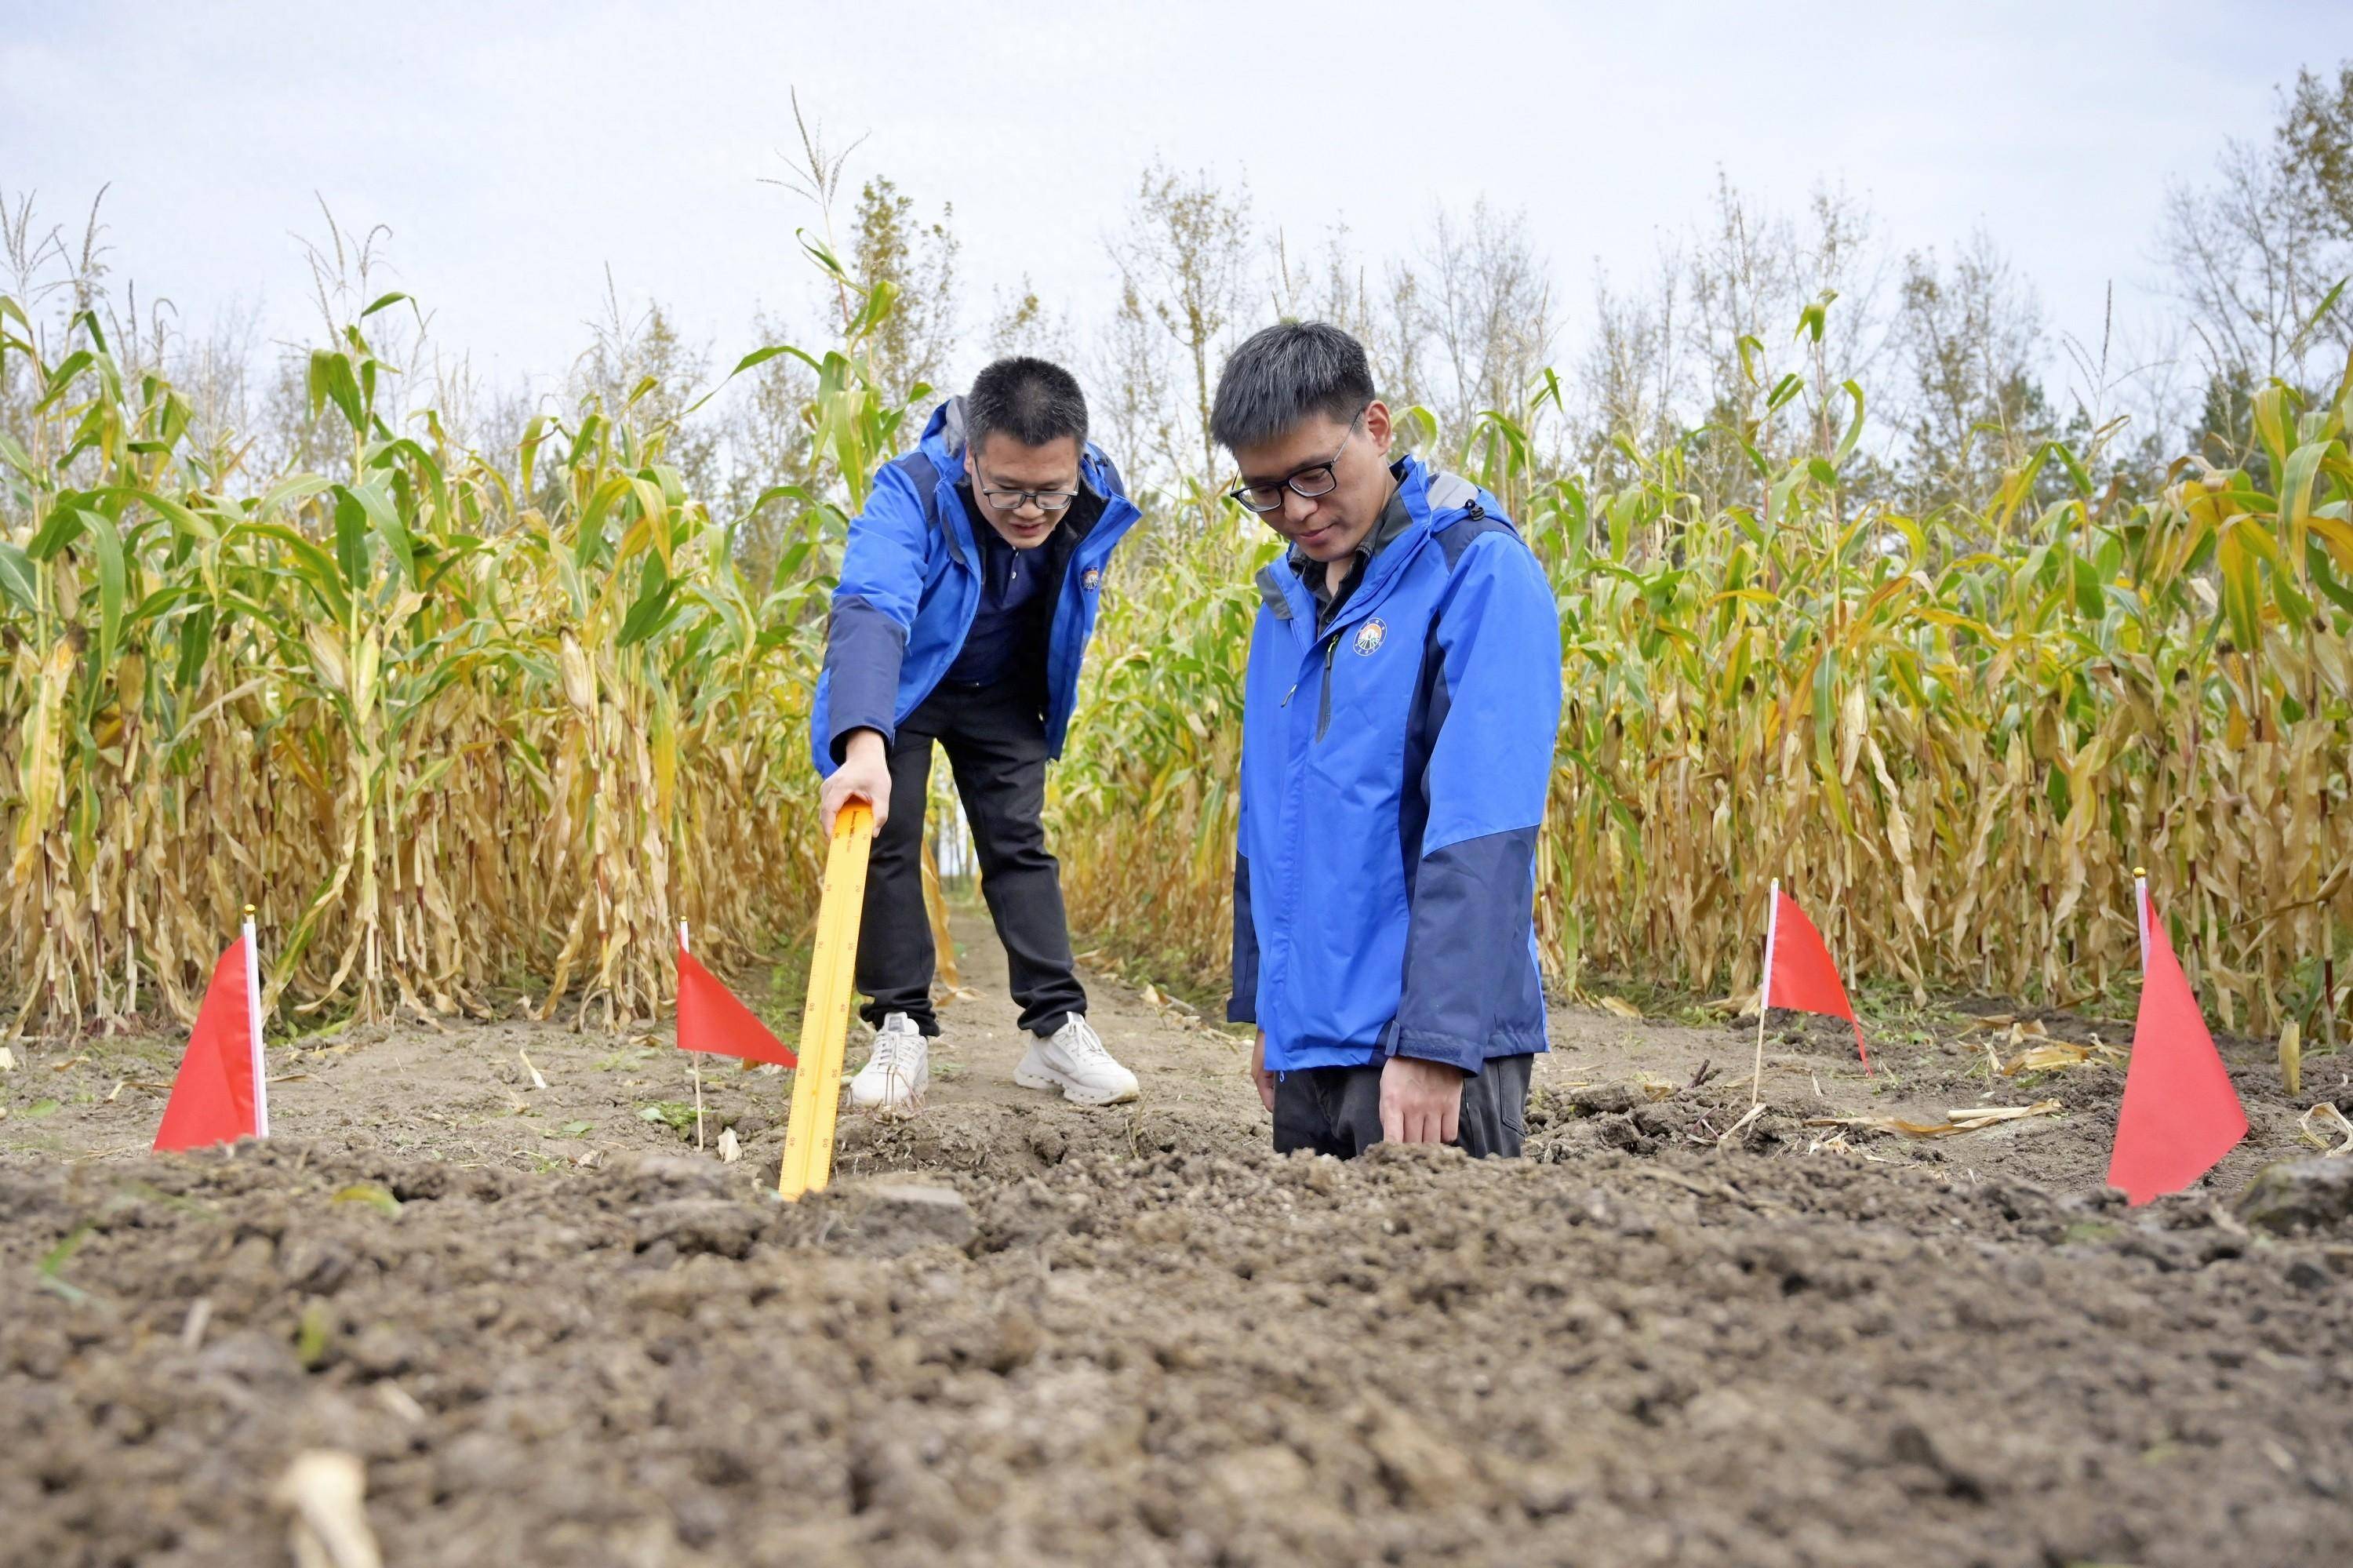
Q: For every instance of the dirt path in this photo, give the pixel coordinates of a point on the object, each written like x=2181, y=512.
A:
x=553, y=1333
x=468, y=1094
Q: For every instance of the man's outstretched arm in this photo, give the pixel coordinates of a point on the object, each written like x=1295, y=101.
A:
x=866, y=642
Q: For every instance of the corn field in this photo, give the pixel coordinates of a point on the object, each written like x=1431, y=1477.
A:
x=451, y=724
x=459, y=724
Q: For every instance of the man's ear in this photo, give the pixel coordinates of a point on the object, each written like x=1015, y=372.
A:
x=1377, y=425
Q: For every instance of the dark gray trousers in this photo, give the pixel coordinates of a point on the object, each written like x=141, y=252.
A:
x=1338, y=1110
x=995, y=741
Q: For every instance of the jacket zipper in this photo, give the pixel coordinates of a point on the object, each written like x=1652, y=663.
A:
x=1324, y=706
x=1323, y=711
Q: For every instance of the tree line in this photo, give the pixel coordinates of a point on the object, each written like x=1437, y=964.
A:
x=1468, y=331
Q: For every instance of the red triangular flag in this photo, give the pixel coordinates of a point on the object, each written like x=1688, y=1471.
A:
x=2180, y=1115
x=710, y=1019
x=213, y=1098
x=1798, y=972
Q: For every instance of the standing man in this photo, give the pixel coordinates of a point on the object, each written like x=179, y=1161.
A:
x=1399, y=723
x=967, y=595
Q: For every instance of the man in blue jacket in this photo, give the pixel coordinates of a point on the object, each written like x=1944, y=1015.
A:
x=1399, y=723
x=968, y=592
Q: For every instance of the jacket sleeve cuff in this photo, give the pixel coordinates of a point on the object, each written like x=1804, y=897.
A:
x=1468, y=1056
x=837, y=744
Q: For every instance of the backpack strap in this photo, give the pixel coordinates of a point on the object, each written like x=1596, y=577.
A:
x=918, y=466
x=925, y=475
x=1112, y=484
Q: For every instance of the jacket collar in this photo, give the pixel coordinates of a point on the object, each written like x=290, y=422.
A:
x=1394, y=520
x=942, y=439
x=1422, y=518
x=1433, y=500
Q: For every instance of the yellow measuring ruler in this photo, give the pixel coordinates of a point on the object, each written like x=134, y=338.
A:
x=825, y=1019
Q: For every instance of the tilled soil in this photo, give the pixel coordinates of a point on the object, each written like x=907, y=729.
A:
x=552, y=1332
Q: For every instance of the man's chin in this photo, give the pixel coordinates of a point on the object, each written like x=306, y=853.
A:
x=1327, y=545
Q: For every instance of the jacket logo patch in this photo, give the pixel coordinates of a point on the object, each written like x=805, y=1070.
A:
x=1369, y=636
x=1092, y=581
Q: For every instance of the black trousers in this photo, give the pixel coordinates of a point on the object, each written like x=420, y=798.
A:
x=1338, y=1110
x=996, y=740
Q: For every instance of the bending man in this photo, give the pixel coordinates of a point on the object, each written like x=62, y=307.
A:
x=967, y=595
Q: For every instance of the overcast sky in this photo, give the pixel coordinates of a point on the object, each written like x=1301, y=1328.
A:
x=516, y=151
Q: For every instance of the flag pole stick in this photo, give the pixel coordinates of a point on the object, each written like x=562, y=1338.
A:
x=1765, y=990
x=253, y=1011
x=2140, y=910
x=695, y=1059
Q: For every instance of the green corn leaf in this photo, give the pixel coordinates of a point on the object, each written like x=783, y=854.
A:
x=18, y=581
x=112, y=583
x=384, y=515
x=65, y=526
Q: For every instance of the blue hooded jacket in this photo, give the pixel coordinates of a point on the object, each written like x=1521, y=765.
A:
x=1394, y=769
x=910, y=585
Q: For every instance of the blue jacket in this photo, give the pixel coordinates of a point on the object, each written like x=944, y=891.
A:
x=1394, y=774
x=911, y=585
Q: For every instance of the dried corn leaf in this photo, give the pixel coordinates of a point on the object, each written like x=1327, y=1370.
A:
x=2321, y=1123
x=1968, y=1119
x=1732, y=1134
x=2060, y=1054
x=1975, y=1116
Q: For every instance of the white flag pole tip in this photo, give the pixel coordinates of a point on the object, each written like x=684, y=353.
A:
x=1765, y=992
x=253, y=1011
x=2140, y=910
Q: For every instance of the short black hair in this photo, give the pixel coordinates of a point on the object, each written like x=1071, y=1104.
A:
x=1286, y=373
x=1028, y=399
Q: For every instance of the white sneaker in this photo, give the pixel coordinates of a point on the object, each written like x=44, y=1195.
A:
x=900, y=1070
x=1074, y=1061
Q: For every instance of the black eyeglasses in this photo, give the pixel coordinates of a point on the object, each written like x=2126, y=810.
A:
x=1044, y=500
x=1314, y=480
